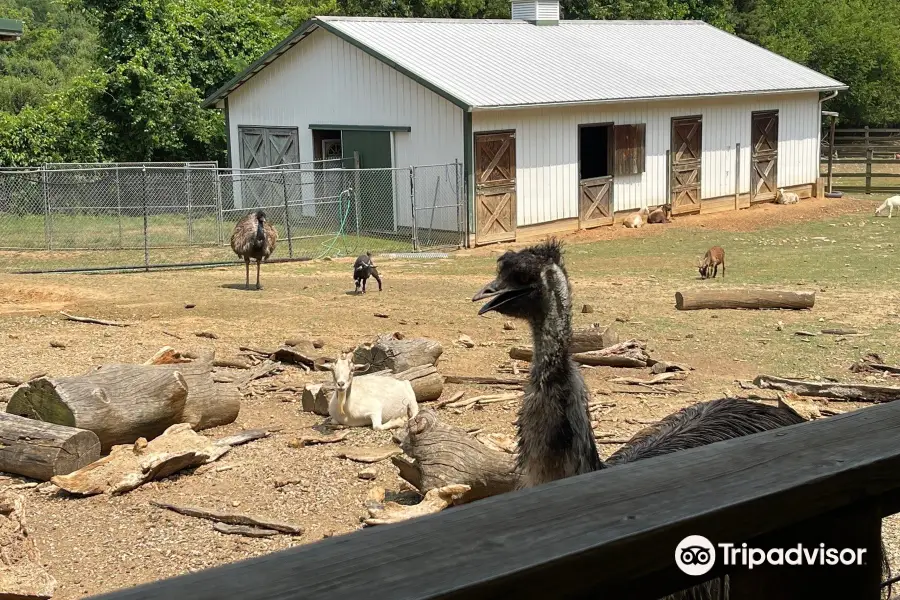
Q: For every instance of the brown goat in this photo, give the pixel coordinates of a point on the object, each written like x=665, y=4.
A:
x=714, y=257
x=660, y=214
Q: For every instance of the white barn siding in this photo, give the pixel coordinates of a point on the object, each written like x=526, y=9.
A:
x=547, y=148
x=325, y=80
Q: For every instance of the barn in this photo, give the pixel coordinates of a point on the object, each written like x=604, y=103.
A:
x=558, y=125
x=10, y=30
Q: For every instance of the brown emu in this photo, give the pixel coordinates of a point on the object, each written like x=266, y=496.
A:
x=555, y=439
x=253, y=237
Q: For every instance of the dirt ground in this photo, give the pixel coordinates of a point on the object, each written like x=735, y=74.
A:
x=101, y=543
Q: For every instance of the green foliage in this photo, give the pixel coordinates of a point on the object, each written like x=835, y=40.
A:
x=123, y=79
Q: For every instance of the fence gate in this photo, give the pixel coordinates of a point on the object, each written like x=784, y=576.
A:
x=687, y=149
x=595, y=202
x=495, y=187
x=764, y=156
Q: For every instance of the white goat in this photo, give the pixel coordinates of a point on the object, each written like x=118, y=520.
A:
x=784, y=197
x=382, y=401
x=636, y=219
x=890, y=204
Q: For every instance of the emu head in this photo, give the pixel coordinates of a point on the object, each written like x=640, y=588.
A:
x=526, y=282
x=343, y=370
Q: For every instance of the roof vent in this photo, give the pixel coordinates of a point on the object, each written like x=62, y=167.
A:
x=537, y=12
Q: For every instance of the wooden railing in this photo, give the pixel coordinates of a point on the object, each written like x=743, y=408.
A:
x=613, y=533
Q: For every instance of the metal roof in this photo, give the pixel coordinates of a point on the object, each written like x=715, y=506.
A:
x=10, y=30
x=507, y=63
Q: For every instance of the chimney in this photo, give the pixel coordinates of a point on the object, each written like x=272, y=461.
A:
x=536, y=12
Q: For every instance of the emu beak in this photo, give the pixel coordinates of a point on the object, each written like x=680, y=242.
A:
x=499, y=293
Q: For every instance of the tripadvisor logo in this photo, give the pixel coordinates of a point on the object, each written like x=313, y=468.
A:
x=696, y=555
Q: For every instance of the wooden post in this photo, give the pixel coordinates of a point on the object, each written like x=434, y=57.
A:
x=869, y=153
x=830, y=151
x=857, y=527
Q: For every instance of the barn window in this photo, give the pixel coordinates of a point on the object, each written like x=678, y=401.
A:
x=630, y=155
x=594, y=143
x=268, y=146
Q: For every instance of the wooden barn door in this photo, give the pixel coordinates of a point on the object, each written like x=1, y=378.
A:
x=595, y=202
x=495, y=187
x=763, y=156
x=687, y=150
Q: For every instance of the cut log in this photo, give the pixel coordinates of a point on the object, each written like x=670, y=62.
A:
x=630, y=353
x=748, y=298
x=446, y=455
x=130, y=466
x=427, y=383
x=388, y=352
x=846, y=392
x=41, y=450
x=593, y=338
x=315, y=398
x=121, y=403
x=229, y=518
x=22, y=577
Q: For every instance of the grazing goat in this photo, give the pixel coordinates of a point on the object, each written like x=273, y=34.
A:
x=377, y=400
x=253, y=237
x=660, y=214
x=636, y=219
x=784, y=197
x=714, y=257
x=363, y=268
x=890, y=204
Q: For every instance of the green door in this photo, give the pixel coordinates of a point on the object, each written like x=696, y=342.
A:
x=375, y=193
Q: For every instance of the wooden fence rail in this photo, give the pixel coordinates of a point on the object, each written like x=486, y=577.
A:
x=613, y=533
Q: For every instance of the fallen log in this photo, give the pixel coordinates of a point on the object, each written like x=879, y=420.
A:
x=122, y=403
x=22, y=576
x=435, y=501
x=746, y=298
x=593, y=338
x=629, y=354
x=427, y=383
x=485, y=380
x=41, y=450
x=388, y=352
x=446, y=455
x=130, y=466
x=229, y=518
x=845, y=392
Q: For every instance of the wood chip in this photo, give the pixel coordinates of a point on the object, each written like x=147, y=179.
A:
x=244, y=530
x=310, y=440
x=229, y=518
x=206, y=334
x=93, y=321
x=370, y=454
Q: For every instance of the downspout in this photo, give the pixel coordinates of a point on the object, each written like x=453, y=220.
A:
x=822, y=100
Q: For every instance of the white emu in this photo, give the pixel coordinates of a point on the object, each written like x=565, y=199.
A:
x=890, y=204
x=380, y=401
x=784, y=197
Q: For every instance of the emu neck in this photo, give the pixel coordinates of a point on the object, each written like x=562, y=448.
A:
x=551, y=333
x=260, y=232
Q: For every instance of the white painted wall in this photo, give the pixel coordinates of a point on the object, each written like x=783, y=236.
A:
x=325, y=80
x=547, y=148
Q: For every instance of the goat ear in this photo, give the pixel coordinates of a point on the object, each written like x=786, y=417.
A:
x=361, y=368
x=328, y=366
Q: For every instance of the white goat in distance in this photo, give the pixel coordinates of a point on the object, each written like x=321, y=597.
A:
x=784, y=197
x=890, y=204
x=377, y=400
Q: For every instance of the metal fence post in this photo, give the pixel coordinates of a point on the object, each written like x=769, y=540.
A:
x=219, y=214
x=119, y=205
x=48, y=219
x=412, y=202
x=459, y=200
x=144, y=203
x=356, y=188
x=287, y=215
x=187, y=193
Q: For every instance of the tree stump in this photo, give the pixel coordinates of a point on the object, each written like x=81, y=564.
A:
x=750, y=299
x=41, y=450
x=316, y=396
x=446, y=455
x=388, y=352
x=426, y=382
x=21, y=575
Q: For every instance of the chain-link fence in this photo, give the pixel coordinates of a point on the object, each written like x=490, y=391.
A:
x=133, y=215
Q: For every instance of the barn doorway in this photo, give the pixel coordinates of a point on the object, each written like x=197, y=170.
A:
x=495, y=187
x=763, y=156
x=687, y=152
x=374, y=190
x=327, y=146
x=595, y=168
